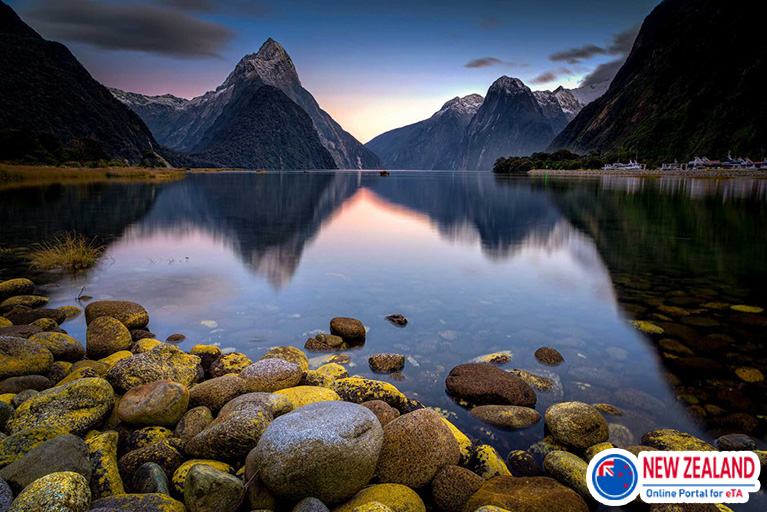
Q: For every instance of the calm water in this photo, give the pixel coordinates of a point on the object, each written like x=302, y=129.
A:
x=476, y=263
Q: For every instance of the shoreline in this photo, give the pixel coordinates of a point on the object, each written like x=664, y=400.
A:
x=719, y=173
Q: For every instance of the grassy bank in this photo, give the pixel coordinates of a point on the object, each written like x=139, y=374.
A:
x=23, y=175
x=699, y=173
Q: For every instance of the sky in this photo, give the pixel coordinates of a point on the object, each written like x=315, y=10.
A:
x=372, y=65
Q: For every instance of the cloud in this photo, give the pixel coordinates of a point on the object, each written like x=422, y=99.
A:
x=239, y=7
x=606, y=71
x=489, y=23
x=620, y=45
x=138, y=27
x=551, y=75
x=486, y=62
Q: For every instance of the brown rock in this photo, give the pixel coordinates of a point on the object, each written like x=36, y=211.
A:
x=193, y=422
x=161, y=402
x=397, y=319
x=216, y=392
x=507, y=416
x=269, y=375
x=576, y=424
x=229, y=363
x=549, y=356
x=453, y=486
x=130, y=314
x=482, y=383
x=528, y=494
x=105, y=336
x=386, y=363
x=383, y=411
x=350, y=329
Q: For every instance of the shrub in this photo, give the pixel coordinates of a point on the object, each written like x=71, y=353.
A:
x=70, y=251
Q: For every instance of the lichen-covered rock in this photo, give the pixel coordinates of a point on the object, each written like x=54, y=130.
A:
x=30, y=301
x=350, y=329
x=179, y=476
x=487, y=462
x=193, y=422
x=592, y=451
x=416, y=445
x=18, y=286
x=144, y=345
x=19, y=331
x=165, y=453
x=62, y=453
x=531, y=494
x=333, y=370
x=398, y=498
x=358, y=390
x=65, y=491
x=386, y=363
x=522, y=463
x=495, y=358
x=150, y=478
x=4, y=322
x=507, y=416
x=112, y=359
x=105, y=336
x=269, y=375
x=79, y=373
x=19, y=356
x=300, y=396
x=465, y=446
x=46, y=324
x=453, y=486
x=675, y=440
x=6, y=412
x=75, y=407
x=24, y=382
x=383, y=411
x=130, y=314
x=293, y=469
x=216, y=392
x=291, y=354
x=105, y=475
x=143, y=437
x=139, y=503
x=70, y=312
x=15, y=446
x=100, y=367
x=23, y=396
x=206, y=353
x=569, y=470
x=235, y=431
x=208, y=489
x=165, y=362
x=161, y=402
x=549, y=356
x=22, y=316
x=480, y=384
x=229, y=363
x=62, y=346
x=576, y=424
x=313, y=378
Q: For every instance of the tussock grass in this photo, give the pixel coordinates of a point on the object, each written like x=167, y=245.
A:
x=12, y=176
x=70, y=251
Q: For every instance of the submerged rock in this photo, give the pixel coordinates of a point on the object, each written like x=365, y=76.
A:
x=507, y=416
x=386, y=363
x=531, y=494
x=481, y=384
x=130, y=314
x=576, y=424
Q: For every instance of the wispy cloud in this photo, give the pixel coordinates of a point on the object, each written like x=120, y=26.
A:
x=247, y=8
x=489, y=23
x=486, y=62
x=551, y=75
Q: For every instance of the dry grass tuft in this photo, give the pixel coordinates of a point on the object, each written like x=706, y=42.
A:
x=69, y=251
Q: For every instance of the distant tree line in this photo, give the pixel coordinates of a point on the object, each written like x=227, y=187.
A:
x=560, y=159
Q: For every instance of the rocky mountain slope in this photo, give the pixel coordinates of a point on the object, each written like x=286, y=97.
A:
x=184, y=124
x=681, y=91
x=45, y=91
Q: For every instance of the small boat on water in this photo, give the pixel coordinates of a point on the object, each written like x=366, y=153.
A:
x=633, y=165
x=383, y=173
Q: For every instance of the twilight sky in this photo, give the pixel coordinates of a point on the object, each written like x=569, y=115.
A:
x=373, y=66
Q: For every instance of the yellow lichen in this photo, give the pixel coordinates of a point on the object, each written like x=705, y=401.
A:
x=105, y=479
x=7, y=397
x=179, y=476
x=747, y=309
x=291, y=354
x=487, y=462
x=647, y=327
x=117, y=356
x=749, y=374
x=464, y=443
x=358, y=390
x=398, y=498
x=305, y=395
x=333, y=370
x=145, y=345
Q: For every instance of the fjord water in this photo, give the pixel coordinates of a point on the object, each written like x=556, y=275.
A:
x=477, y=263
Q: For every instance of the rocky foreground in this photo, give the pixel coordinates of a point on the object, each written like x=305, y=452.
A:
x=127, y=422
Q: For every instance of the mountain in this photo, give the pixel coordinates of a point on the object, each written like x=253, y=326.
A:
x=184, y=124
x=559, y=107
x=510, y=122
x=45, y=91
x=682, y=92
x=585, y=94
x=434, y=143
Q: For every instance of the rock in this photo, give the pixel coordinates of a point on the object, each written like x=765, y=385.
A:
x=259, y=497
x=59, y=370
x=229, y=363
x=276, y=405
x=350, y=329
x=193, y=422
x=464, y=443
x=207, y=354
x=569, y=470
x=531, y=494
x=209, y=490
x=675, y=440
x=62, y=453
x=576, y=424
x=549, y=356
x=522, y=463
x=144, y=437
x=164, y=362
x=140, y=334
x=608, y=409
x=313, y=378
x=735, y=443
x=71, y=312
x=325, y=342
x=487, y=462
x=269, y=375
x=333, y=370
x=290, y=354
x=139, y=503
x=24, y=382
x=415, y=446
x=105, y=336
x=175, y=338
x=62, y=346
x=358, y=390
x=747, y=374
x=179, y=476
x=18, y=286
x=453, y=486
x=350, y=436
x=397, y=319
x=495, y=358
x=144, y=345
x=300, y=396
x=15, y=446
x=6, y=412
x=6, y=496
x=47, y=324
x=386, y=363
x=310, y=505
x=75, y=407
x=398, y=498
x=507, y=416
x=216, y=392
x=4, y=322
x=383, y=411
x=480, y=383
x=592, y=451
x=164, y=453
x=232, y=434
x=19, y=331
x=620, y=435
x=23, y=396
x=105, y=476
x=150, y=478
x=161, y=402
x=130, y=314
x=23, y=317
x=19, y=356
x=64, y=491
x=30, y=301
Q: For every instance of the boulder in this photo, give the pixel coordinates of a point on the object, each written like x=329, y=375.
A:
x=383, y=411
x=452, y=487
x=18, y=286
x=62, y=346
x=165, y=453
x=291, y=466
x=130, y=314
x=350, y=329
x=310, y=505
x=235, y=431
x=358, y=390
x=142, y=437
x=576, y=424
x=207, y=354
x=208, y=489
x=24, y=382
x=229, y=363
x=216, y=392
x=395, y=497
x=75, y=407
x=165, y=362
x=675, y=440
x=487, y=462
x=735, y=443
x=105, y=475
x=105, y=336
x=15, y=446
x=64, y=491
x=27, y=316
x=531, y=494
x=30, y=301
x=161, y=402
x=300, y=396
x=23, y=396
x=62, y=453
x=269, y=375
x=507, y=416
x=193, y=422
x=549, y=356
x=480, y=383
x=291, y=354
x=179, y=476
x=139, y=503
x=521, y=463
x=569, y=470
x=19, y=331
x=415, y=446
x=19, y=356
x=397, y=319
x=333, y=370
x=6, y=496
x=386, y=363
x=150, y=478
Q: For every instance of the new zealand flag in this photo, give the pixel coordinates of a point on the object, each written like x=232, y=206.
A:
x=615, y=477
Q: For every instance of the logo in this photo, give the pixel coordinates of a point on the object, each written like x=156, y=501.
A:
x=616, y=477
x=613, y=477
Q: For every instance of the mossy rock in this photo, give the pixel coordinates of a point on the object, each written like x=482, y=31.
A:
x=179, y=476
x=300, y=396
x=144, y=345
x=4, y=322
x=62, y=346
x=70, y=312
x=592, y=451
x=272, y=374
x=291, y=354
x=78, y=373
x=569, y=470
x=144, y=437
x=23, y=357
x=105, y=336
x=207, y=489
x=647, y=327
x=207, y=354
x=576, y=424
x=164, y=453
x=105, y=477
x=465, y=446
x=154, y=502
x=313, y=378
x=193, y=422
x=75, y=407
x=18, y=286
x=487, y=462
x=398, y=498
x=350, y=329
x=65, y=491
x=506, y=416
x=100, y=367
x=30, y=301
x=675, y=440
x=531, y=494
x=110, y=360
x=738, y=307
x=358, y=390
x=234, y=362
x=386, y=363
x=161, y=402
x=46, y=324
x=216, y=392
x=15, y=446
x=165, y=362
x=130, y=314
x=522, y=463
x=383, y=411
x=333, y=370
